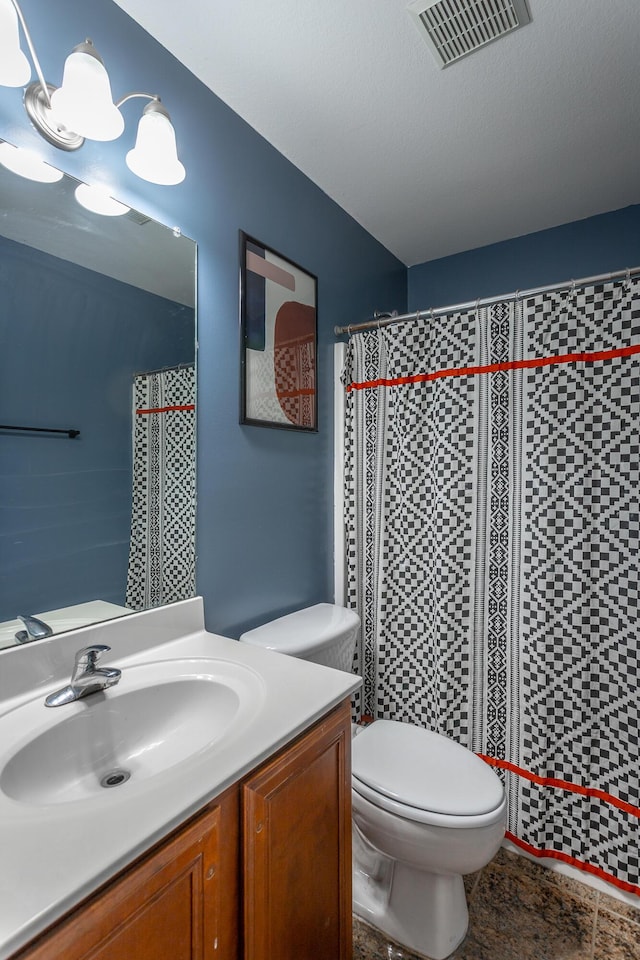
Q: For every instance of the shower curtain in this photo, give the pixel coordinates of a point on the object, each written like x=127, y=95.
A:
x=492, y=463
x=162, y=551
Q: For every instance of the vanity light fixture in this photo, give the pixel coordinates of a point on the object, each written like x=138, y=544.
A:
x=154, y=156
x=83, y=107
x=85, y=99
x=15, y=70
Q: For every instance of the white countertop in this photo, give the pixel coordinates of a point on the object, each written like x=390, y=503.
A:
x=53, y=856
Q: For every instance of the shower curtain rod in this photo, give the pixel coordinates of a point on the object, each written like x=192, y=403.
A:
x=175, y=366
x=384, y=320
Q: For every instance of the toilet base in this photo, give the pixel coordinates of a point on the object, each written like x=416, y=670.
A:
x=424, y=912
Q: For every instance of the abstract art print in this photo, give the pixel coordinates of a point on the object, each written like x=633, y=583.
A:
x=278, y=315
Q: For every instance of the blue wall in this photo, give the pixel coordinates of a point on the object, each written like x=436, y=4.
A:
x=601, y=244
x=71, y=341
x=265, y=541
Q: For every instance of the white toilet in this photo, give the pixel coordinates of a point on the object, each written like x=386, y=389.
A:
x=426, y=810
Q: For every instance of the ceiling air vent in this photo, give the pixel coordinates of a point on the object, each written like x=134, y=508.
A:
x=454, y=28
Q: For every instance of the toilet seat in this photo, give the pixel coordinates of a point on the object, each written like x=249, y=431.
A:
x=424, y=776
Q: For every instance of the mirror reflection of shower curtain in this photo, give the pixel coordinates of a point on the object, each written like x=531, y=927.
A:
x=162, y=553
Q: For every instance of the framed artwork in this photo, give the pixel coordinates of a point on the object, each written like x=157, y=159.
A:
x=279, y=337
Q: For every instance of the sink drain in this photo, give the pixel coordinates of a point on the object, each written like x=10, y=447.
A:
x=114, y=778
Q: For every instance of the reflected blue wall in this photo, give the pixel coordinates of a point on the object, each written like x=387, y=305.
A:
x=601, y=244
x=71, y=341
x=265, y=540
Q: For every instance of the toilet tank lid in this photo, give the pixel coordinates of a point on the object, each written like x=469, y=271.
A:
x=311, y=628
x=423, y=769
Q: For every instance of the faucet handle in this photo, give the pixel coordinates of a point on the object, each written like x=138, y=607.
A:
x=86, y=677
x=87, y=657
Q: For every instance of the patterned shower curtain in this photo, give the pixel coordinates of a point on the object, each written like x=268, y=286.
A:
x=493, y=527
x=162, y=552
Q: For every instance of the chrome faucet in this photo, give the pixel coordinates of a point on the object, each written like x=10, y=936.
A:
x=35, y=629
x=86, y=677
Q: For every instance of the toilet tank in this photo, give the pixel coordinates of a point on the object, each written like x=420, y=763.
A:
x=324, y=633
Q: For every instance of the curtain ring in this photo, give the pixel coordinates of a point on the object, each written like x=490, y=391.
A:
x=431, y=314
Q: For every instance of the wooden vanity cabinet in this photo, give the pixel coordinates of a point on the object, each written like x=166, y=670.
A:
x=176, y=903
x=264, y=872
x=297, y=848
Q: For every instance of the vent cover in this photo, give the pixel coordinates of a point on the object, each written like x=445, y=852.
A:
x=454, y=28
x=137, y=217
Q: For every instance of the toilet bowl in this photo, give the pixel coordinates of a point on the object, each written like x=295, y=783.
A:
x=426, y=810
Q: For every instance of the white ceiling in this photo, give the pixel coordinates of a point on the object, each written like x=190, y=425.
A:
x=537, y=129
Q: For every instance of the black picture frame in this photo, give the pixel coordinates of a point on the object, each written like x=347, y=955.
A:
x=279, y=340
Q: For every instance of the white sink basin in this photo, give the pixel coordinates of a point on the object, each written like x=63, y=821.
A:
x=160, y=715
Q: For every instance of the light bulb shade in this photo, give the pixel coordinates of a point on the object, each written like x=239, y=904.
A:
x=98, y=200
x=15, y=70
x=84, y=102
x=155, y=156
x=27, y=164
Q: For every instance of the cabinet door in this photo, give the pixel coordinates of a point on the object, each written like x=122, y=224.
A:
x=167, y=907
x=297, y=867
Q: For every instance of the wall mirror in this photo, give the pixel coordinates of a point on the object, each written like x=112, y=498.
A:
x=97, y=411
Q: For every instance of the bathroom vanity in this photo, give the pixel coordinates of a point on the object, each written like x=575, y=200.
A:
x=240, y=849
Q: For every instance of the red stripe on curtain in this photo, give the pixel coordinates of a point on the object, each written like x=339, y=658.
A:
x=563, y=785
x=574, y=862
x=592, y=357
x=176, y=406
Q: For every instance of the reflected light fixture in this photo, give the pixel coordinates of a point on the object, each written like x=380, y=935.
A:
x=28, y=164
x=98, y=200
x=83, y=107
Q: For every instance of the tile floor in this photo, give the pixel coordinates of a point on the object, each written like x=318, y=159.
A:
x=520, y=910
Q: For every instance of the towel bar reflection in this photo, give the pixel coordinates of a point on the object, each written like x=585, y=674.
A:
x=70, y=433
